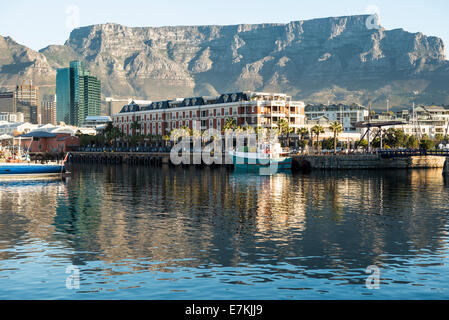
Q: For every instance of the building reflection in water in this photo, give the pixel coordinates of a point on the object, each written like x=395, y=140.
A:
x=27, y=212
x=156, y=219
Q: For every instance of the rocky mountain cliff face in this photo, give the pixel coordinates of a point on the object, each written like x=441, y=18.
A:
x=321, y=60
x=18, y=63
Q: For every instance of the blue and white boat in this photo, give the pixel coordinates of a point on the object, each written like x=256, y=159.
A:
x=31, y=171
x=267, y=158
x=21, y=168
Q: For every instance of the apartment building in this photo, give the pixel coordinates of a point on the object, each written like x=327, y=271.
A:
x=347, y=115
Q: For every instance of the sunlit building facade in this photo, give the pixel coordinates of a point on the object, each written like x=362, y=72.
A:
x=248, y=109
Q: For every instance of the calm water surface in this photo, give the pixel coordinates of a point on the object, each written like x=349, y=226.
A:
x=145, y=233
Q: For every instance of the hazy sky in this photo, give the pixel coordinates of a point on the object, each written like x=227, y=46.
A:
x=44, y=22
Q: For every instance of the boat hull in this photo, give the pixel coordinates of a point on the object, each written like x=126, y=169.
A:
x=269, y=166
x=13, y=169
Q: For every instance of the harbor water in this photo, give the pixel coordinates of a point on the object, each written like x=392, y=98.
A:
x=124, y=232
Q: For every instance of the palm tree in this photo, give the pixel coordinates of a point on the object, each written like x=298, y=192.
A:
x=134, y=127
x=336, y=128
x=285, y=129
x=317, y=130
x=166, y=139
x=303, y=132
x=230, y=124
x=187, y=130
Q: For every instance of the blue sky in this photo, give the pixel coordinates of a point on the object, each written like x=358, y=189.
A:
x=40, y=23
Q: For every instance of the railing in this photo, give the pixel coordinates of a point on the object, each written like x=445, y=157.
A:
x=134, y=149
x=412, y=153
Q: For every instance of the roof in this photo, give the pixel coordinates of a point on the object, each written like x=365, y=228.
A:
x=98, y=118
x=194, y=101
x=64, y=138
x=38, y=134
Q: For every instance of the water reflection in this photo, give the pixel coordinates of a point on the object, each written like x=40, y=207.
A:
x=238, y=229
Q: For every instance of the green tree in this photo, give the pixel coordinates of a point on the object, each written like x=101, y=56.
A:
x=363, y=143
x=336, y=128
x=395, y=138
x=328, y=144
x=285, y=129
x=303, y=132
x=426, y=144
x=166, y=139
x=412, y=142
x=439, y=138
x=317, y=130
x=375, y=143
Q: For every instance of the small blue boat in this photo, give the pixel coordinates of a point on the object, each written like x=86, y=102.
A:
x=29, y=171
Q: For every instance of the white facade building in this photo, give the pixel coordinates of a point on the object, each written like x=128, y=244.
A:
x=347, y=115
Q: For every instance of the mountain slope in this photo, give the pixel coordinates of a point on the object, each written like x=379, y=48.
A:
x=321, y=60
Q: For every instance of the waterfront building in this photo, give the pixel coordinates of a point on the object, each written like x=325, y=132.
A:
x=44, y=141
x=430, y=120
x=254, y=109
x=419, y=121
x=78, y=94
x=27, y=102
x=48, y=110
x=347, y=115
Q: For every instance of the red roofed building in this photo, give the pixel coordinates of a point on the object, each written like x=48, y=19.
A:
x=41, y=141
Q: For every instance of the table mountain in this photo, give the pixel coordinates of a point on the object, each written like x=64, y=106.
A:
x=321, y=60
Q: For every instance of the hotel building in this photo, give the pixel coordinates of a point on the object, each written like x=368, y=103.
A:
x=255, y=109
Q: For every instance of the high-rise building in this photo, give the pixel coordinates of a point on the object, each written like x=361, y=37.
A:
x=78, y=94
x=27, y=102
x=48, y=110
x=7, y=102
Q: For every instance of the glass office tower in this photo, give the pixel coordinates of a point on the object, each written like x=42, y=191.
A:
x=81, y=90
x=63, y=96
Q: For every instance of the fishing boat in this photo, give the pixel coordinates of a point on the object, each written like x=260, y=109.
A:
x=266, y=158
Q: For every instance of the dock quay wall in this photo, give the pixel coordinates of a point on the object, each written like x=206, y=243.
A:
x=300, y=162
x=130, y=158
x=365, y=162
